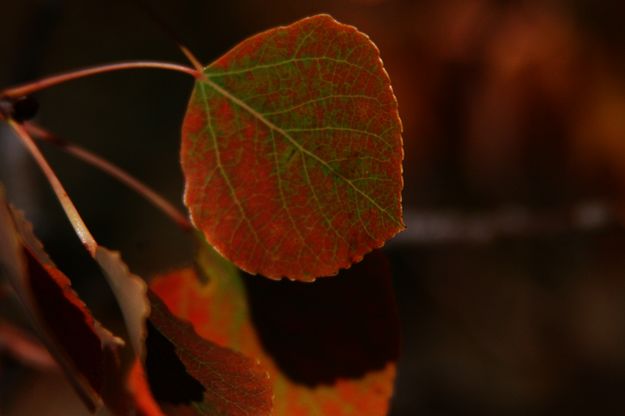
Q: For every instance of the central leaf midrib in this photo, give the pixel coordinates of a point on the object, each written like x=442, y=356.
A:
x=234, y=99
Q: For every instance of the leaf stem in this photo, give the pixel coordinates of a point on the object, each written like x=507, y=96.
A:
x=29, y=88
x=68, y=206
x=115, y=171
x=192, y=58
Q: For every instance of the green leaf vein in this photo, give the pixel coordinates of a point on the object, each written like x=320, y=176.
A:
x=285, y=133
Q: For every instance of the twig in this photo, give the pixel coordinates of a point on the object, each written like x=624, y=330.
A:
x=29, y=88
x=68, y=206
x=444, y=226
x=115, y=171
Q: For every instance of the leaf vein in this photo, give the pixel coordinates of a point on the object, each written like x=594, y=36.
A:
x=220, y=166
x=215, y=74
x=297, y=145
x=321, y=99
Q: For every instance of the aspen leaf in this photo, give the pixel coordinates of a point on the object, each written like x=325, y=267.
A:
x=190, y=375
x=292, y=151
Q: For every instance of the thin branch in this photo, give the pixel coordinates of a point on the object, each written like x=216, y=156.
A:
x=24, y=347
x=44, y=83
x=115, y=171
x=68, y=206
x=444, y=226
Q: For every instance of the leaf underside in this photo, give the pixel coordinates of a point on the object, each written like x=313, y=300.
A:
x=191, y=375
x=292, y=151
x=131, y=294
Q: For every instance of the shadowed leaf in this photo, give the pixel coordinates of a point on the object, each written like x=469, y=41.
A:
x=307, y=374
x=292, y=151
x=337, y=328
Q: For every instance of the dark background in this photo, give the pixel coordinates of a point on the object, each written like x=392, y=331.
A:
x=511, y=275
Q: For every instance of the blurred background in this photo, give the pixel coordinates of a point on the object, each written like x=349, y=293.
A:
x=511, y=276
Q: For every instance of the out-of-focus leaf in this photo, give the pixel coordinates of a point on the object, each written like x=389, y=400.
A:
x=82, y=347
x=46, y=394
x=22, y=346
x=342, y=364
x=292, y=151
x=189, y=375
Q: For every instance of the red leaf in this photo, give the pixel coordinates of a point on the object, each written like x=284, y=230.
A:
x=360, y=328
x=189, y=375
x=81, y=346
x=292, y=151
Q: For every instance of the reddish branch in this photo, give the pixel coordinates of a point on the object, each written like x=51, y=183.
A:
x=115, y=171
x=44, y=83
x=24, y=131
x=68, y=206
